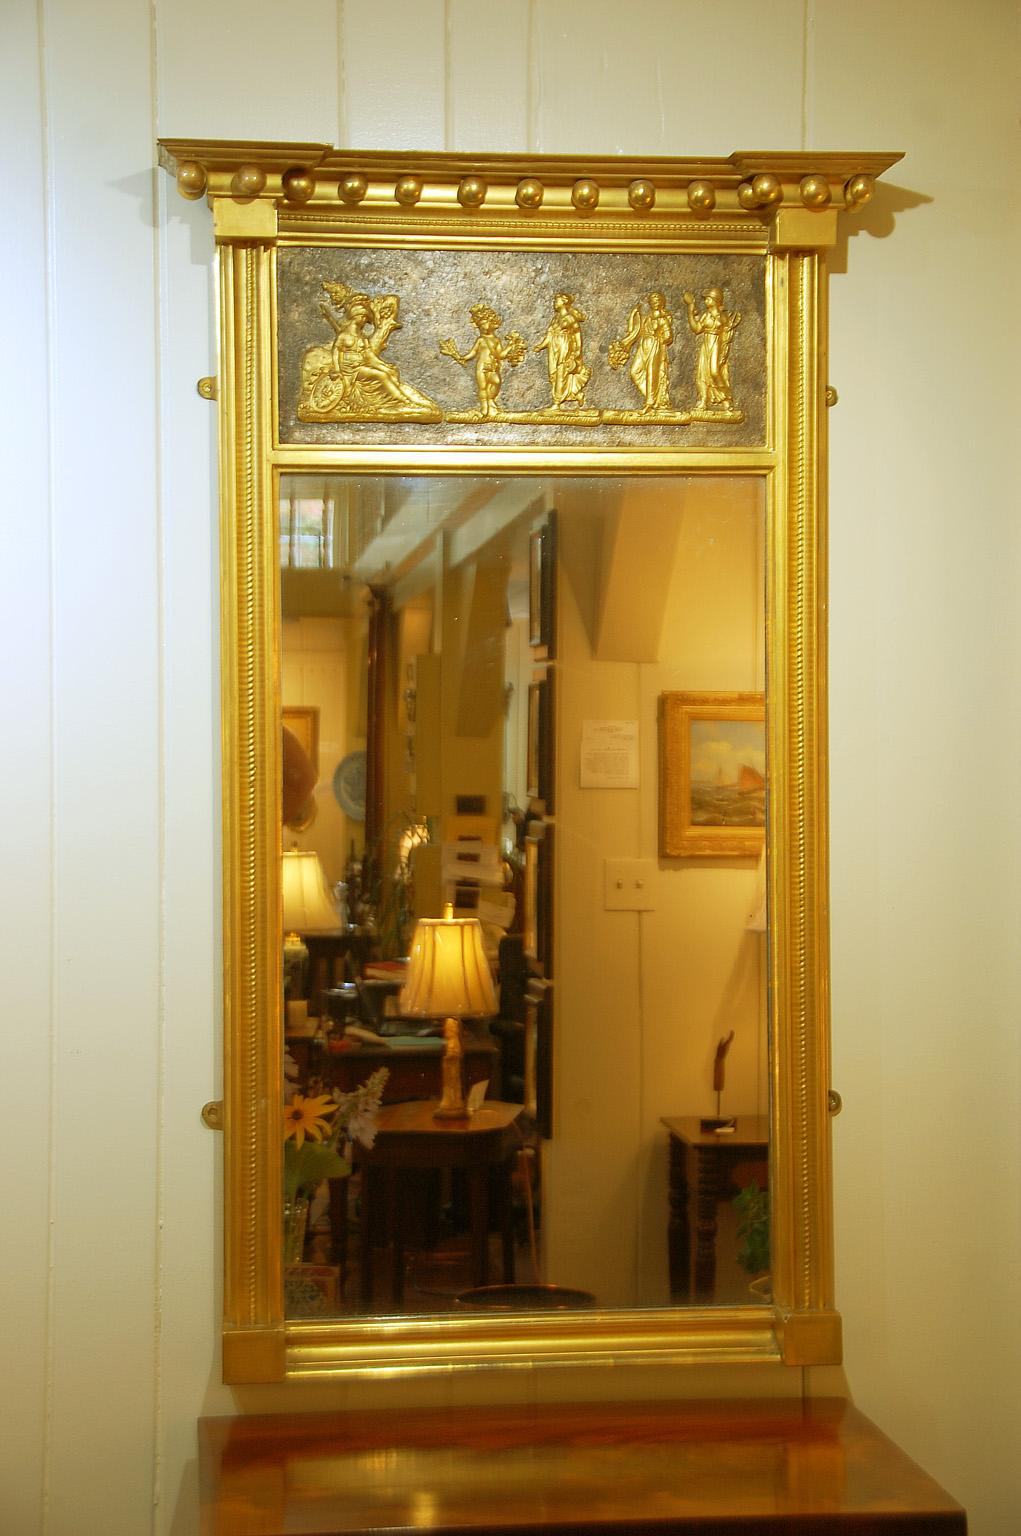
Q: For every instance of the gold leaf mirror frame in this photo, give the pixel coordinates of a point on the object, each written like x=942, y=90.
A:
x=783, y=208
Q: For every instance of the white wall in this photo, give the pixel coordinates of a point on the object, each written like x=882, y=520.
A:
x=108, y=1297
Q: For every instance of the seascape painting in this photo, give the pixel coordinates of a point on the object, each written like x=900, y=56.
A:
x=728, y=773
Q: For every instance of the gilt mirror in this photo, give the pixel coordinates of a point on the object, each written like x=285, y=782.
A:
x=522, y=511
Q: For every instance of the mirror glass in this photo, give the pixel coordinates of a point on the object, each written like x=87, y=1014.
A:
x=541, y=699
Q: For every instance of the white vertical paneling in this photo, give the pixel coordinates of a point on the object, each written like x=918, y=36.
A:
x=115, y=636
x=259, y=70
x=394, y=67
x=107, y=782
x=25, y=768
x=487, y=76
x=667, y=76
x=925, y=734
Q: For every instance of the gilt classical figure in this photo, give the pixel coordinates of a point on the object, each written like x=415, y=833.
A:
x=489, y=353
x=716, y=329
x=350, y=380
x=562, y=343
x=649, y=335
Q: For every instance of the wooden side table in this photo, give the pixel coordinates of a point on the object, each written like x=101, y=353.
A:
x=613, y=1469
x=408, y=1137
x=701, y=1163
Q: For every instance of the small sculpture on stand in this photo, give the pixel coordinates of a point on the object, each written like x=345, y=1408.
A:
x=722, y=1125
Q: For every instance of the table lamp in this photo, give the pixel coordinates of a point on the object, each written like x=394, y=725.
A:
x=448, y=978
x=307, y=906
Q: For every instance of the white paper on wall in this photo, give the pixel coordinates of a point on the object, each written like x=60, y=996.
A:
x=609, y=754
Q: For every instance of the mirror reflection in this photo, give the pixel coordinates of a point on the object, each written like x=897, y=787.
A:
x=535, y=703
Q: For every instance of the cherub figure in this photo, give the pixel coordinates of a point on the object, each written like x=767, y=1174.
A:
x=712, y=370
x=650, y=334
x=489, y=353
x=350, y=377
x=568, y=375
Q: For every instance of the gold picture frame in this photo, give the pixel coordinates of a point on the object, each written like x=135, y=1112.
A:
x=712, y=775
x=779, y=211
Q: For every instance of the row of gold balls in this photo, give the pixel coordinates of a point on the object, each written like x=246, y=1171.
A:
x=762, y=191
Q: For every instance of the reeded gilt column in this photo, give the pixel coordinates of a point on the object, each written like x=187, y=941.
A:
x=251, y=801
x=802, y=1231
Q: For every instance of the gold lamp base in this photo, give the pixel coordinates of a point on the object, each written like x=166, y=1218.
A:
x=452, y=1105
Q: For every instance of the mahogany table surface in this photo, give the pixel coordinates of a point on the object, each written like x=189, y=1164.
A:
x=745, y=1468
x=749, y=1131
x=409, y=1135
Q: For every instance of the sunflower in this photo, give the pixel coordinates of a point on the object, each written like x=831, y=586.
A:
x=307, y=1117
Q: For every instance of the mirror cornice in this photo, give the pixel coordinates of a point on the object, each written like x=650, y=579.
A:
x=260, y=191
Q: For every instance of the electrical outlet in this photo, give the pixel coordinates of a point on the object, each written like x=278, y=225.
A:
x=629, y=885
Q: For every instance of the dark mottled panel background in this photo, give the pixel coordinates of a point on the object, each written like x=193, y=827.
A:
x=437, y=289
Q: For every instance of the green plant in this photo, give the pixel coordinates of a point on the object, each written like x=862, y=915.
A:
x=752, y=1207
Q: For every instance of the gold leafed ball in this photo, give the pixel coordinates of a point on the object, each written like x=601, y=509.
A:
x=471, y=191
x=815, y=191
x=191, y=179
x=641, y=194
x=767, y=189
x=408, y=190
x=248, y=181
x=585, y=194
x=859, y=190
x=746, y=195
x=701, y=196
x=353, y=188
x=298, y=186
x=529, y=193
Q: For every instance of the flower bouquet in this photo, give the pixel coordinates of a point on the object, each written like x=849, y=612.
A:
x=319, y=1133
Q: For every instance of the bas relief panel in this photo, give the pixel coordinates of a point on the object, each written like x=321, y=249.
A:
x=516, y=347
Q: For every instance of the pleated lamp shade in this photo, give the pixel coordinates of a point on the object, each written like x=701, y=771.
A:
x=448, y=973
x=308, y=907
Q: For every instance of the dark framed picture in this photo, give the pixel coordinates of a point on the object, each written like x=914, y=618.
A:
x=530, y=913
x=539, y=1054
x=538, y=913
x=539, y=764
x=302, y=720
x=542, y=587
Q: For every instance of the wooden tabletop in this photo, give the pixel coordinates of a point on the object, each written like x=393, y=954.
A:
x=749, y=1131
x=744, y=1468
x=419, y=1118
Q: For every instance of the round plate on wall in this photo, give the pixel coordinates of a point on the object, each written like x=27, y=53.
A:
x=349, y=785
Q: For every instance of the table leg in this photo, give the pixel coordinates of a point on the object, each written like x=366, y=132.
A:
x=679, y=1228
x=505, y=1187
x=706, y=1199
x=395, y=1223
x=338, y=1223
x=370, y=1187
x=478, y=1203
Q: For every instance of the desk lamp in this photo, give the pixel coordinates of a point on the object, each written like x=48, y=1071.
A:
x=449, y=979
x=306, y=903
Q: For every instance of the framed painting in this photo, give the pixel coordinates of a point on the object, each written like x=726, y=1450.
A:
x=712, y=775
x=302, y=720
x=539, y=752
x=539, y=1054
x=542, y=586
x=538, y=898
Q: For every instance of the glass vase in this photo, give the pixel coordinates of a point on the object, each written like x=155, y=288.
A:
x=295, y=1222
